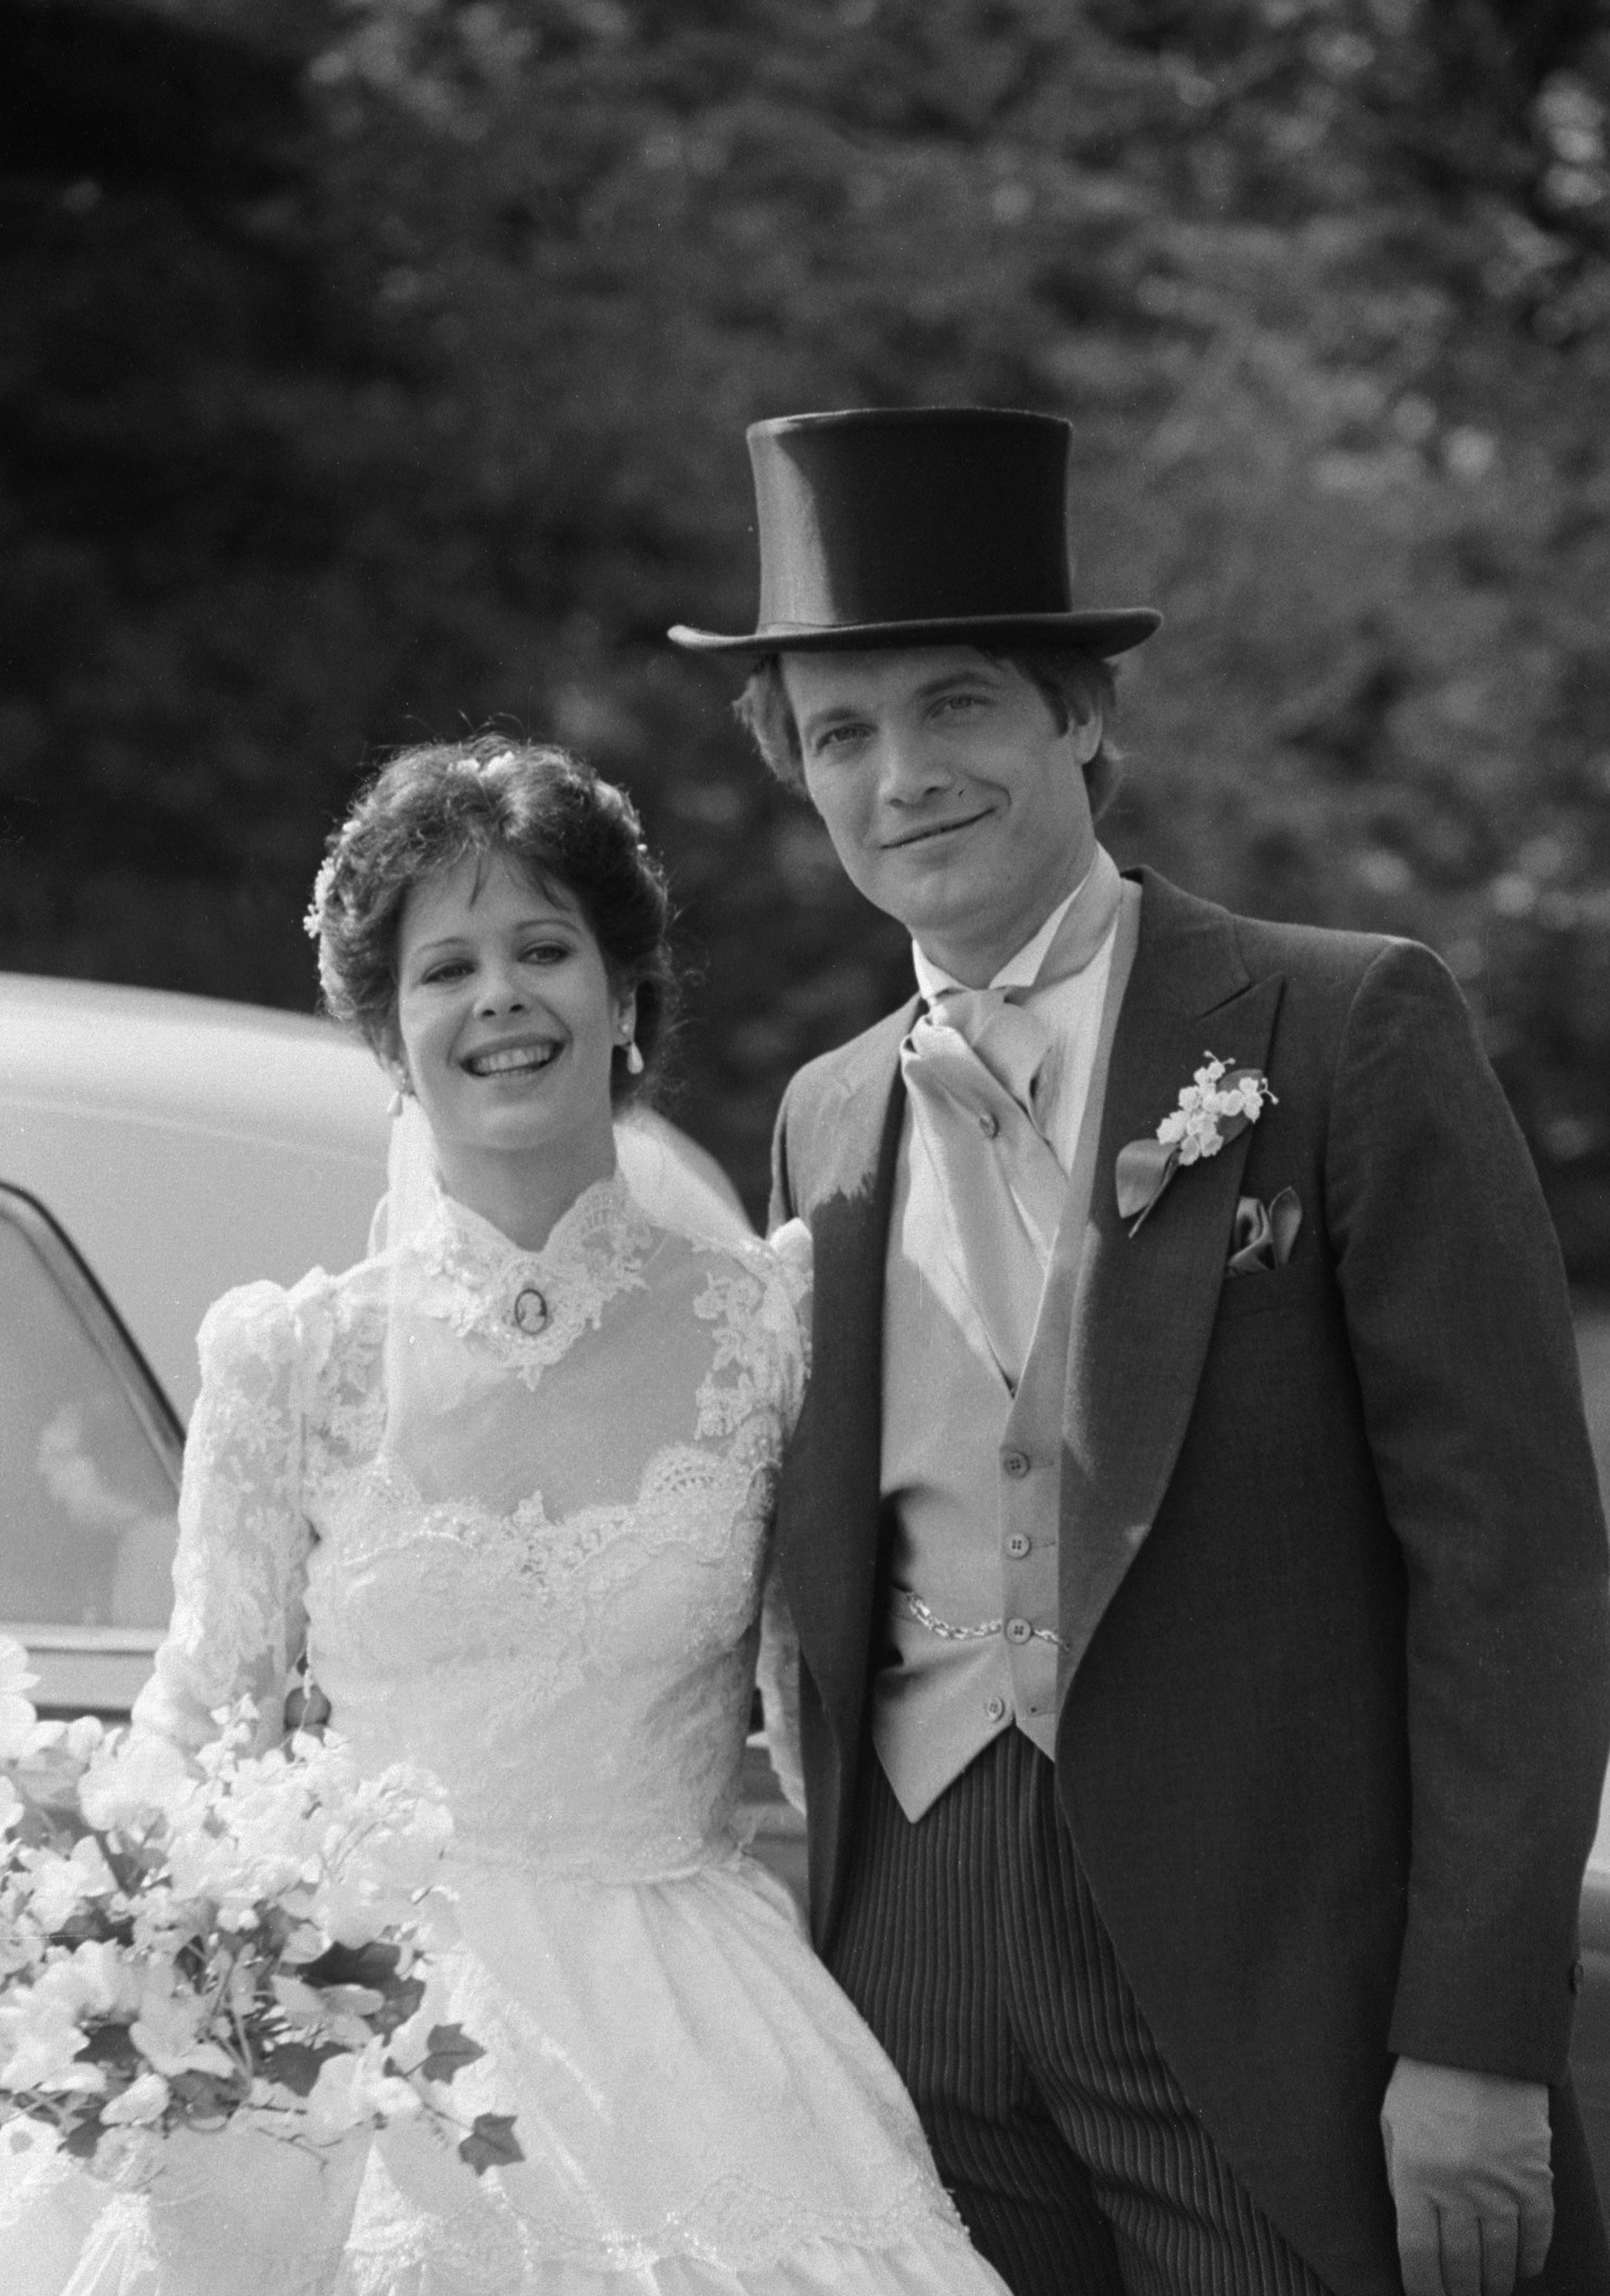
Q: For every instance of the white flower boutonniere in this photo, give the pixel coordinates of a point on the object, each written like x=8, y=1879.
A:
x=1217, y=1104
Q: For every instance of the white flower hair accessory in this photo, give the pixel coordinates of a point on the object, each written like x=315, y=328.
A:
x=1218, y=1104
x=313, y=924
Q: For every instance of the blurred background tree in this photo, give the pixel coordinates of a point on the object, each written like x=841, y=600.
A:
x=372, y=368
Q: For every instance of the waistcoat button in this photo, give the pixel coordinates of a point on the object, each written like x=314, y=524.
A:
x=1015, y=1462
x=994, y=1708
x=989, y=1125
x=1018, y=1630
x=1018, y=1544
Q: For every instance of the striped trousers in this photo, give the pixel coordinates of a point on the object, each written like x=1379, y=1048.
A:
x=971, y=1945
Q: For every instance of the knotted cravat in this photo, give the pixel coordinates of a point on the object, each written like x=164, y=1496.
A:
x=1007, y=1039
x=970, y=1065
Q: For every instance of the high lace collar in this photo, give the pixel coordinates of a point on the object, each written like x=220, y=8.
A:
x=603, y=1219
x=530, y=1306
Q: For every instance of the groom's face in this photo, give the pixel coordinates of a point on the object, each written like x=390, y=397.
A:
x=953, y=798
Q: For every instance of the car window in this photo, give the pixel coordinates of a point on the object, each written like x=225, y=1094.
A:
x=89, y=1460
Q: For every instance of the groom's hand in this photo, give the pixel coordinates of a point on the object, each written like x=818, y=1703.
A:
x=1468, y=2161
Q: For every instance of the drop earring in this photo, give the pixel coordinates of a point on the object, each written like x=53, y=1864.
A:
x=635, y=1059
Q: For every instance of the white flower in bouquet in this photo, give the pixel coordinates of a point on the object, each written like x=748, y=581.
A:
x=171, y=2030
x=60, y=1887
x=132, y=1777
x=41, y=2038
x=145, y=2100
x=352, y=2092
x=239, y=1939
x=18, y=1720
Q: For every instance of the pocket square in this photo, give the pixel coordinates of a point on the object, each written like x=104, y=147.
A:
x=1264, y=1233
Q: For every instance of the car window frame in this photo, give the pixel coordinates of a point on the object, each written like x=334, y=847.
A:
x=113, y=1343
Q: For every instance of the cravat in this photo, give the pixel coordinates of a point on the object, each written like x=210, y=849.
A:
x=1006, y=1038
x=970, y=1068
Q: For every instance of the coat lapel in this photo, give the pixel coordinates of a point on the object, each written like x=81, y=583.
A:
x=829, y=1504
x=1145, y=1304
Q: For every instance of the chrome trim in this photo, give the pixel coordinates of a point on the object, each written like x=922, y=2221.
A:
x=96, y=1642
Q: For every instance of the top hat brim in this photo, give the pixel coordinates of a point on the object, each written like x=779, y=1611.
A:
x=1088, y=631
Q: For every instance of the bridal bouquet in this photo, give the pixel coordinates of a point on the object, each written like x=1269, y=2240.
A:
x=234, y=1940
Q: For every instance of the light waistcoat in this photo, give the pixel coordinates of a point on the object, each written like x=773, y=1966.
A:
x=971, y=1471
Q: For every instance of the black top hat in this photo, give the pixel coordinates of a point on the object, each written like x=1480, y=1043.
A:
x=917, y=526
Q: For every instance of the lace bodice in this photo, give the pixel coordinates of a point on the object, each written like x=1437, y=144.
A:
x=516, y=1504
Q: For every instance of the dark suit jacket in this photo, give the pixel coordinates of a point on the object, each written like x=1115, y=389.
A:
x=1332, y=1755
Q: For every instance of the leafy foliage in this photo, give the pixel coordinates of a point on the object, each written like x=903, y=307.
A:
x=418, y=401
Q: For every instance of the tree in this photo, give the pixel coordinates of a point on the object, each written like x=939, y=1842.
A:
x=440, y=424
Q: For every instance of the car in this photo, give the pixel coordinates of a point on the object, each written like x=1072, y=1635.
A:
x=155, y=1150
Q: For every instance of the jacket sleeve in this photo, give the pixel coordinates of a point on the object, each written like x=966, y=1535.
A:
x=1460, y=1331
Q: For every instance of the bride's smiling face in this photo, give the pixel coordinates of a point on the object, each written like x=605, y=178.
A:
x=506, y=1022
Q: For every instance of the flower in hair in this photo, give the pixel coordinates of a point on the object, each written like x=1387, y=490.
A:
x=323, y=886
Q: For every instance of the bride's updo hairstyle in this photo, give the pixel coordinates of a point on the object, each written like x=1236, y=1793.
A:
x=529, y=803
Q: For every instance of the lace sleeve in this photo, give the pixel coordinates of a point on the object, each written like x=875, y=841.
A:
x=237, y=1620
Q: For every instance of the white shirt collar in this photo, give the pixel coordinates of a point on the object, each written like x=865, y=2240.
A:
x=1018, y=972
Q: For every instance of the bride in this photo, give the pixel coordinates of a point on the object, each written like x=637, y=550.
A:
x=509, y=1483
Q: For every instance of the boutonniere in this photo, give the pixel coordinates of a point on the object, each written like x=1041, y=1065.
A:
x=1218, y=1104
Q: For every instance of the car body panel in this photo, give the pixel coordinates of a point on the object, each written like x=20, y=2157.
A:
x=185, y=1146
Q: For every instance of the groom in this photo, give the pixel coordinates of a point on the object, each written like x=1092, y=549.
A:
x=1191, y=1534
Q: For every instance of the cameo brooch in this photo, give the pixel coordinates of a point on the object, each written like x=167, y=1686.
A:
x=530, y=1311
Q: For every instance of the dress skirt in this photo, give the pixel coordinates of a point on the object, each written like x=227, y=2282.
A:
x=701, y=2113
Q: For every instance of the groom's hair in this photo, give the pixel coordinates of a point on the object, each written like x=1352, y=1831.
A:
x=1072, y=682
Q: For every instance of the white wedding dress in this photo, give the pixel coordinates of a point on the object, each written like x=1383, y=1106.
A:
x=518, y=1504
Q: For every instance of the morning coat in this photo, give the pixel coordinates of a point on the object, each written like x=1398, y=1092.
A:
x=1332, y=1746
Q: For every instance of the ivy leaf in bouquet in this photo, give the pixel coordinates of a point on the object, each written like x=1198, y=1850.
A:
x=237, y=1940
